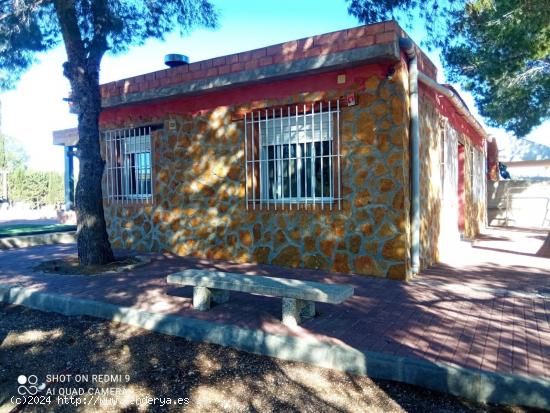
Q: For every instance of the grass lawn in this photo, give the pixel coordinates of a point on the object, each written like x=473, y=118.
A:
x=30, y=229
x=137, y=364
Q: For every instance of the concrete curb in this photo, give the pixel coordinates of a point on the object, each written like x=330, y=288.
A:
x=478, y=385
x=38, y=239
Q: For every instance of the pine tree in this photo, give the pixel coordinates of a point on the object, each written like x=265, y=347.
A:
x=497, y=49
x=88, y=29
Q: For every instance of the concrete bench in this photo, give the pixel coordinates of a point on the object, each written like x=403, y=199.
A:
x=299, y=297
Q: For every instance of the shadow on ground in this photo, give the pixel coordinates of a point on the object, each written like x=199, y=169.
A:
x=213, y=378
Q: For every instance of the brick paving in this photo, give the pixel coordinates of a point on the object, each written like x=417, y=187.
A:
x=487, y=307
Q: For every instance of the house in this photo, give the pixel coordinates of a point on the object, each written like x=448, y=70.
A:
x=337, y=152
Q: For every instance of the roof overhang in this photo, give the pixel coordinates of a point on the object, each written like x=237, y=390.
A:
x=377, y=53
x=65, y=137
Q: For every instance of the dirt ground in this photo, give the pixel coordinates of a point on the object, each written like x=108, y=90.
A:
x=125, y=365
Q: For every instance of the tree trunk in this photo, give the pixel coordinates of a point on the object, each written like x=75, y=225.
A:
x=92, y=240
x=82, y=70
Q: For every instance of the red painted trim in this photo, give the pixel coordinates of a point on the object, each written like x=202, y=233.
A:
x=447, y=109
x=249, y=95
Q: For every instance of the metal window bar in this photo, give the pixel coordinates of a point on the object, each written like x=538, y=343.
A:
x=277, y=135
x=140, y=170
x=338, y=151
x=126, y=135
x=302, y=155
x=110, y=156
x=297, y=152
x=312, y=152
x=321, y=145
x=276, y=154
x=260, y=149
x=151, y=177
x=331, y=186
x=289, y=181
x=253, y=162
x=280, y=142
x=246, y=160
x=134, y=164
x=124, y=171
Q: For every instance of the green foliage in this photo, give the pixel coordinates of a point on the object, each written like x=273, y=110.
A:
x=436, y=15
x=497, y=49
x=31, y=26
x=88, y=29
x=36, y=187
x=503, y=57
x=25, y=29
x=56, y=189
x=16, y=185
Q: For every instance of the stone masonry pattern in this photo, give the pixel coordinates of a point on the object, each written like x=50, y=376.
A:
x=431, y=185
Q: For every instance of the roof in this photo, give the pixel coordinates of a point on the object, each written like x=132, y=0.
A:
x=65, y=137
x=350, y=47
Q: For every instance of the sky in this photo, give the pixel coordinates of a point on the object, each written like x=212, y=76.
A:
x=36, y=108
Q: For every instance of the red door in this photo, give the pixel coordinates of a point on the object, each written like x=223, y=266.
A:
x=461, y=187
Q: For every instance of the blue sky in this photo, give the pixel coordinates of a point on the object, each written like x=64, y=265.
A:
x=32, y=111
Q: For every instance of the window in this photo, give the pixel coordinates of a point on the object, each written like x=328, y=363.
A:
x=128, y=170
x=293, y=156
x=478, y=175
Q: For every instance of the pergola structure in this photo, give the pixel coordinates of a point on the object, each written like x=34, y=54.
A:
x=68, y=138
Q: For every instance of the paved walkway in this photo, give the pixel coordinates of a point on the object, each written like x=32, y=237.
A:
x=487, y=307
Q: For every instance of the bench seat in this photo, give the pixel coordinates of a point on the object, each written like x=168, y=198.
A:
x=298, y=296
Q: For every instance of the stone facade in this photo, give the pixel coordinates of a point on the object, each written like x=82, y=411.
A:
x=430, y=181
x=199, y=207
x=475, y=206
x=432, y=125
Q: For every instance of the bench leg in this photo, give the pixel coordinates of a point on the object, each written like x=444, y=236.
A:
x=219, y=296
x=308, y=309
x=294, y=309
x=201, y=298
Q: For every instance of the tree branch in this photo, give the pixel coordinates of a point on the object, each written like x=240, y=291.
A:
x=29, y=9
x=72, y=38
x=98, y=45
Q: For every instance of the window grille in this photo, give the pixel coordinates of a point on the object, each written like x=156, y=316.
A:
x=128, y=170
x=293, y=157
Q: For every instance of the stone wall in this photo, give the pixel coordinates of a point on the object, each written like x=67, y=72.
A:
x=430, y=181
x=475, y=202
x=199, y=180
x=431, y=159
